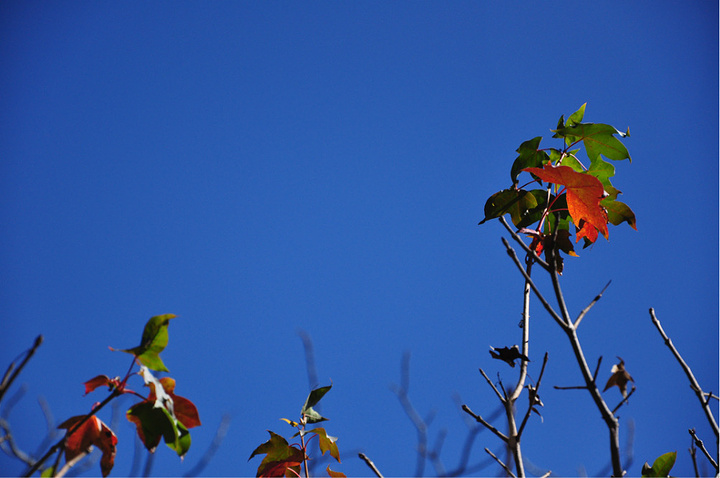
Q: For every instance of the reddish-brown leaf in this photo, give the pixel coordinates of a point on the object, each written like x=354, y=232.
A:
x=185, y=410
x=584, y=193
x=99, y=381
x=92, y=432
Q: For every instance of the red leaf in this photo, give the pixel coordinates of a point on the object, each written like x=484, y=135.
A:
x=185, y=410
x=92, y=432
x=99, y=381
x=584, y=193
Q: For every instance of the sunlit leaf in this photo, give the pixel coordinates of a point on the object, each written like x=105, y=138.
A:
x=334, y=474
x=597, y=138
x=154, y=340
x=584, y=193
x=661, y=466
x=326, y=443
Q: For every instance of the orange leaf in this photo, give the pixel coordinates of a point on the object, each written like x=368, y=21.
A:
x=584, y=193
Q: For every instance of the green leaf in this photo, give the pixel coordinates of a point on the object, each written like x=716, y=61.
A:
x=618, y=212
x=312, y=416
x=524, y=207
x=326, y=443
x=604, y=171
x=662, y=465
x=576, y=117
x=314, y=397
x=529, y=157
x=154, y=340
x=598, y=139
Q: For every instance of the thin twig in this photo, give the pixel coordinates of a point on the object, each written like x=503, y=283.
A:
x=480, y=419
x=502, y=399
x=624, y=400
x=597, y=369
x=507, y=470
x=693, y=382
x=532, y=397
x=548, y=307
x=576, y=387
x=699, y=443
x=519, y=240
x=370, y=464
x=61, y=443
x=587, y=309
x=11, y=375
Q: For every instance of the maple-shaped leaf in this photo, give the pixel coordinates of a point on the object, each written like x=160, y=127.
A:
x=92, y=432
x=281, y=459
x=326, y=442
x=619, y=378
x=156, y=416
x=508, y=355
x=154, y=340
x=598, y=139
x=661, y=466
x=584, y=193
x=308, y=412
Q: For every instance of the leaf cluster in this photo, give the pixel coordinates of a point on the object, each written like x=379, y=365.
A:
x=571, y=192
x=160, y=414
x=285, y=459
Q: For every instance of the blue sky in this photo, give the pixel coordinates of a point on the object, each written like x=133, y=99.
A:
x=264, y=168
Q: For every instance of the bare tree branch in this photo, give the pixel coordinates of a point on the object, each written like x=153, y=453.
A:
x=220, y=433
x=504, y=466
x=370, y=464
x=519, y=240
x=587, y=309
x=699, y=443
x=480, y=419
x=693, y=382
x=541, y=298
x=12, y=372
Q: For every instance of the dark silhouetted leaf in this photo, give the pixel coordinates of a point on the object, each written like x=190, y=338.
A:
x=524, y=207
x=508, y=355
x=529, y=157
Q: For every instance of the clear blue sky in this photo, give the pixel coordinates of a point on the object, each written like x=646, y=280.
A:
x=258, y=168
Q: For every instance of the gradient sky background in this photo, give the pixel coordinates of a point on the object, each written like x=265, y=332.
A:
x=260, y=168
